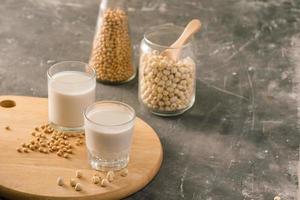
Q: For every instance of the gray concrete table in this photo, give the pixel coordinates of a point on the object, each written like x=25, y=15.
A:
x=240, y=140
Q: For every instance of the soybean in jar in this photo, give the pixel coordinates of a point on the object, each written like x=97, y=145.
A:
x=166, y=86
x=111, y=55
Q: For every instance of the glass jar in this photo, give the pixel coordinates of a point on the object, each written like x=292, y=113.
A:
x=166, y=86
x=111, y=55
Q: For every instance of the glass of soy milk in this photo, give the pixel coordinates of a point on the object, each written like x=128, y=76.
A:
x=71, y=89
x=108, y=134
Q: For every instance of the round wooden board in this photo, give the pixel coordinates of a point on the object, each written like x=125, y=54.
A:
x=33, y=175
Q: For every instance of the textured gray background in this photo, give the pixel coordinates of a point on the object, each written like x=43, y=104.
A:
x=240, y=140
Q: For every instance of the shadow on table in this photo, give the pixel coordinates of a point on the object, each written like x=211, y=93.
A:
x=213, y=110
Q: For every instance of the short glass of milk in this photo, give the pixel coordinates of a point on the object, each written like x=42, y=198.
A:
x=108, y=134
x=71, y=89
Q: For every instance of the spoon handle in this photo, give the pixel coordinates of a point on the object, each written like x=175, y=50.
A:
x=192, y=27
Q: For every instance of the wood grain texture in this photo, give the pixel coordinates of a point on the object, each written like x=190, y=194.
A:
x=33, y=175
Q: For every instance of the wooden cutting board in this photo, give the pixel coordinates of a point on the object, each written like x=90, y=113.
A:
x=34, y=175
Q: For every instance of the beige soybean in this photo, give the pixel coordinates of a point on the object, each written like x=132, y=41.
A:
x=96, y=179
x=78, y=174
x=104, y=182
x=72, y=182
x=124, y=172
x=19, y=150
x=60, y=181
x=78, y=187
x=110, y=176
x=25, y=150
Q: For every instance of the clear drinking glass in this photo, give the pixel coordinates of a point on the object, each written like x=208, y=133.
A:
x=166, y=86
x=108, y=133
x=71, y=89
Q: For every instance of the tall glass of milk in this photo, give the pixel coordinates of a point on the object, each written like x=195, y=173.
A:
x=71, y=89
x=108, y=133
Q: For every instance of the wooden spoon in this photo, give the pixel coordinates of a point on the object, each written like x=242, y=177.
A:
x=190, y=29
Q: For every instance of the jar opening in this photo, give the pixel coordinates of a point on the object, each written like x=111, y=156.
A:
x=164, y=36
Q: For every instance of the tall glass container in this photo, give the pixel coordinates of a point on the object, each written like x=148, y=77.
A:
x=111, y=55
x=166, y=86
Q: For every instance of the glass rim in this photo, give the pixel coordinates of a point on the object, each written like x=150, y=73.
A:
x=78, y=62
x=111, y=102
x=155, y=29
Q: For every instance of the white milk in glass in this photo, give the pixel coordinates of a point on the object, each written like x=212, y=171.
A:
x=109, y=142
x=69, y=93
x=108, y=133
